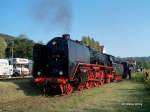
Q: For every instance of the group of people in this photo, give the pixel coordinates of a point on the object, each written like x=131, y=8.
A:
x=129, y=74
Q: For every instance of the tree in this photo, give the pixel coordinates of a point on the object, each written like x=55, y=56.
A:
x=98, y=47
x=87, y=40
x=23, y=47
x=3, y=46
x=143, y=63
x=8, y=51
x=9, y=40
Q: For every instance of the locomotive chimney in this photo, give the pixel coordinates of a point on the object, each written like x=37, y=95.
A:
x=66, y=36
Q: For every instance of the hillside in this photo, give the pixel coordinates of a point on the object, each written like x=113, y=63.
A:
x=21, y=46
x=7, y=37
x=138, y=58
x=143, y=58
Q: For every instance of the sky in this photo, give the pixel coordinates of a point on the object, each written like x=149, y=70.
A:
x=122, y=26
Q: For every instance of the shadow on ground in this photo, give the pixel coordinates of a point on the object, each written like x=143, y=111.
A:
x=27, y=86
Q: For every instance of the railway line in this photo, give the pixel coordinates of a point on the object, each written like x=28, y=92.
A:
x=15, y=78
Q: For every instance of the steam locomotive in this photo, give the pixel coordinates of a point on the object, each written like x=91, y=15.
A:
x=65, y=65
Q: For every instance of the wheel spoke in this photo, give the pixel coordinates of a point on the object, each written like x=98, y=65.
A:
x=69, y=88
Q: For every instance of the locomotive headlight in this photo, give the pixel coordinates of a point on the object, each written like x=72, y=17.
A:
x=60, y=72
x=54, y=42
x=39, y=73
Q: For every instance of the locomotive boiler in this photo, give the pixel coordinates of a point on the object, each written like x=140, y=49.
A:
x=64, y=64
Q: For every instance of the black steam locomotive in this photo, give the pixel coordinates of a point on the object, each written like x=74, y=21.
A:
x=64, y=64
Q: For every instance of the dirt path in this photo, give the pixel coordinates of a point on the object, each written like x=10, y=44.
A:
x=125, y=96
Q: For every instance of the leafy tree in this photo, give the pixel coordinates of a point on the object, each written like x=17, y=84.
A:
x=9, y=49
x=3, y=46
x=143, y=63
x=23, y=47
x=97, y=46
x=9, y=40
x=91, y=42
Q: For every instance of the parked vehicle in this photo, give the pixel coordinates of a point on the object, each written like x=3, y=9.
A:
x=20, y=66
x=6, y=70
x=30, y=66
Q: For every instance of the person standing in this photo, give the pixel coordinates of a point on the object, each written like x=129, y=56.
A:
x=129, y=73
x=146, y=74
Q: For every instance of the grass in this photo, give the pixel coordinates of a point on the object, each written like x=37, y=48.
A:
x=124, y=96
x=140, y=77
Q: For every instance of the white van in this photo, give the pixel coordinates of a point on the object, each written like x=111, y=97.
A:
x=20, y=66
x=5, y=68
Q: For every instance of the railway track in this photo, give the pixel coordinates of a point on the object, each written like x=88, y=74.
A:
x=15, y=78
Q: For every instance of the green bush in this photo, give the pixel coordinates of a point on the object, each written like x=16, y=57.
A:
x=138, y=77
